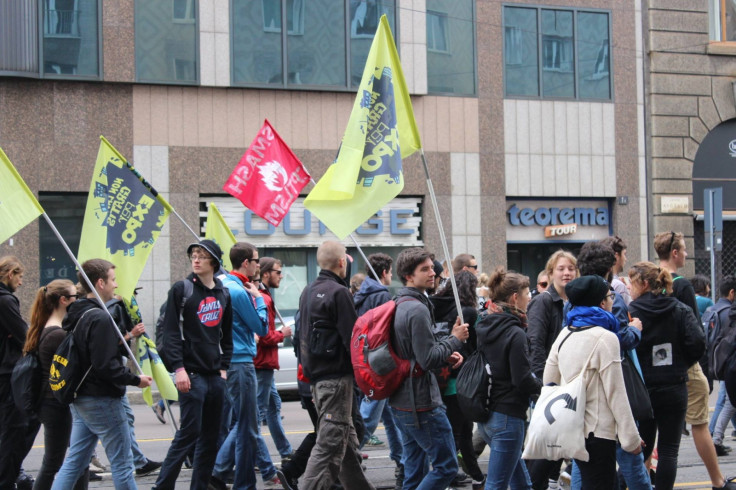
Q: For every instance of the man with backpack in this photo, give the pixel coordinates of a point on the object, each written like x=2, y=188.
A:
x=327, y=316
x=417, y=404
x=195, y=342
x=97, y=410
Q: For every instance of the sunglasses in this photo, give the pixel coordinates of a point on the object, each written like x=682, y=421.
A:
x=672, y=241
x=254, y=260
x=544, y=284
x=70, y=296
x=473, y=266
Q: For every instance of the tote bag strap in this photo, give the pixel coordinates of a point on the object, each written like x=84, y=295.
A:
x=587, y=361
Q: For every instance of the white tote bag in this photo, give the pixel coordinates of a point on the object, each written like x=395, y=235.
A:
x=557, y=426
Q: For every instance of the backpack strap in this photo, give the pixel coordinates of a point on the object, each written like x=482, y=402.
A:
x=188, y=291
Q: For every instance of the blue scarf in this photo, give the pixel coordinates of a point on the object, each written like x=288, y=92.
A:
x=582, y=316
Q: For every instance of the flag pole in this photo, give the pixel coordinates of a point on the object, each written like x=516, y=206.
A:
x=92, y=289
x=445, y=249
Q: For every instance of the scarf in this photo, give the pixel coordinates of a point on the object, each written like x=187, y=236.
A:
x=582, y=316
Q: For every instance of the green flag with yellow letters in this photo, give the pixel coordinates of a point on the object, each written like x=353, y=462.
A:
x=218, y=231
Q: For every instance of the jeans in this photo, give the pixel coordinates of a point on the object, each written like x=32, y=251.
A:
x=269, y=409
x=723, y=419
x=201, y=410
x=335, y=453
x=669, y=404
x=431, y=441
x=372, y=411
x=632, y=468
x=93, y=418
x=722, y=397
x=139, y=459
x=245, y=436
x=57, y=427
x=599, y=472
x=17, y=432
x=505, y=435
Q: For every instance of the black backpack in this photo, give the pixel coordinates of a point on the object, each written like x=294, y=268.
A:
x=474, y=383
x=720, y=340
x=26, y=380
x=160, y=338
x=67, y=369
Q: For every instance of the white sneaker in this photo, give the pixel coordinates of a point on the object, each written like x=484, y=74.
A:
x=552, y=485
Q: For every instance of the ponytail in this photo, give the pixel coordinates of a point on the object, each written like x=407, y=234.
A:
x=659, y=280
x=503, y=284
x=46, y=301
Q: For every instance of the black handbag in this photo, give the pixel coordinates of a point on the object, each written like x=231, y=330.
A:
x=641, y=405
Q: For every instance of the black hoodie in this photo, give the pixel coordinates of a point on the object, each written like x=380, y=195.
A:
x=98, y=342
x=12, y=330
x=672, y=339
x=503, y=342
x=445, y=310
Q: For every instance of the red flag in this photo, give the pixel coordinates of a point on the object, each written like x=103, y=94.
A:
x=269, y=177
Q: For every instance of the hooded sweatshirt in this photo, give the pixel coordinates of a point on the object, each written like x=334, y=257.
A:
x=371, y=295
x=504, y=344
x=445, y=310
x=98, y=342
x=12, y=330
x=672, y=339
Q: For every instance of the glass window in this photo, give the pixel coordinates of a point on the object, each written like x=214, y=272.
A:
x=570, y=49
x=594, y=60
x=521, y=51
x=298, y=268
x=71, y=37
x=722, y=20
x=66, y=210
x=316, y=46
x=451, y=47
x=166, y=41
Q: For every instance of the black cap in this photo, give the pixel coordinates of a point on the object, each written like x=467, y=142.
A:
x=211, y=247
x=587, y=291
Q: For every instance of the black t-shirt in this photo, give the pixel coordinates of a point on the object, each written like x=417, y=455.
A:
x=684, y=291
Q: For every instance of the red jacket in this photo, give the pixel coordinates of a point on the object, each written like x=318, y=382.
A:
x=267, y=348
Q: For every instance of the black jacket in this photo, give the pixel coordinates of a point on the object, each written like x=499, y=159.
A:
x=98, y=342
x=12, y=331
x=445, y=310
x=208, y=328
x=503, y=342
x=672, y=339
x=330, y=304
x=544, y=318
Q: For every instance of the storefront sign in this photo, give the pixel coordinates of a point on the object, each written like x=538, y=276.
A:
x=542, y=220
x=396, y=225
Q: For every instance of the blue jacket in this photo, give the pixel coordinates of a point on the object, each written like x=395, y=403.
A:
x=247, y=319
x=371, y=295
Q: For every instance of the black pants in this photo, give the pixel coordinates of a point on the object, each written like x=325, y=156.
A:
x=543, y=470
x=17, y=432
x=462, y=431
x=599, y=472
x=669, y=404
x=57, y=428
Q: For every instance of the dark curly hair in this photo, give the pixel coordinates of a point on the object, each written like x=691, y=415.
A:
x=596, y=258
x=466, y=284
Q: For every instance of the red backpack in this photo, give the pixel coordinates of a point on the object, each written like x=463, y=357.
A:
x=379, y=371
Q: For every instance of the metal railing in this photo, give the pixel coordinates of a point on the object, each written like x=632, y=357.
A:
x=61, y=23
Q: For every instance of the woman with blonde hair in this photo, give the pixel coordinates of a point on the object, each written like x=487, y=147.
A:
x=43, y=337
x=545, y=319
x=672, y=340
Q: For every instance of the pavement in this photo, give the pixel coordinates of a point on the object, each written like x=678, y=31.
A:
x=154, y=439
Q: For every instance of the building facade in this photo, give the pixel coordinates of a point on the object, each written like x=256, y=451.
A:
x=531, y=116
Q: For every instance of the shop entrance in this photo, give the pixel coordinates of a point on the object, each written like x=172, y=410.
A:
x=530, y=258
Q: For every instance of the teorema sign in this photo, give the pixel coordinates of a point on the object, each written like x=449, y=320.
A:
x=540, y=220
x=543, y=216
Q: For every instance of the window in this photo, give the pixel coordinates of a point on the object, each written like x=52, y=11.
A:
x=166, y=49
x=451, y=47
x=557, y=53
x=66, y=210
x=71, y=38
x=722, y=20
x=318, y=48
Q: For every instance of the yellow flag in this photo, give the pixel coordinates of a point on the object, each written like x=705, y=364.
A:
x=123, y=218
x=18, y=205
x=218, y=231
x=152, y=365
x=381, y=131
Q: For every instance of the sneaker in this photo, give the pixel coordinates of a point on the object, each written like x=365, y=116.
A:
x=216, y=484
x=94, y=476
x=722, y=450
x=158, y=409
x=553, y=485
x=96, y=464
x=460, y=479
x=24, y=481
x=287, y=482
x=374, y=441
x=479, y=485
x=565, y=479
x=147, y=468
x=274, y=482
x=729, y=484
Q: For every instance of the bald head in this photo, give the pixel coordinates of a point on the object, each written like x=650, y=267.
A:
x=331, y=257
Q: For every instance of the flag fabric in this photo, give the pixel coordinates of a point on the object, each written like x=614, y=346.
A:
x=217, y=230
x=269, y=177
x=18, y=205
x=152, y=365
x=123, y=218
x=381, y=131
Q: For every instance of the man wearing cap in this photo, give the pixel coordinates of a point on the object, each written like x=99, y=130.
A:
x=250, y=318
x=198, y=350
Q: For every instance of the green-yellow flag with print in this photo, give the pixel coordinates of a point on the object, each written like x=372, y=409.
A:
x=18, y=205
x=381, y=131
x=123, y=218
x=218, y=231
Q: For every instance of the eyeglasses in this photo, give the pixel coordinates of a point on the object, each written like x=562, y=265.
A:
x=256, y=260
x=195, y=257
x=611, y=295
x=277, y=271
x=544, y=284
